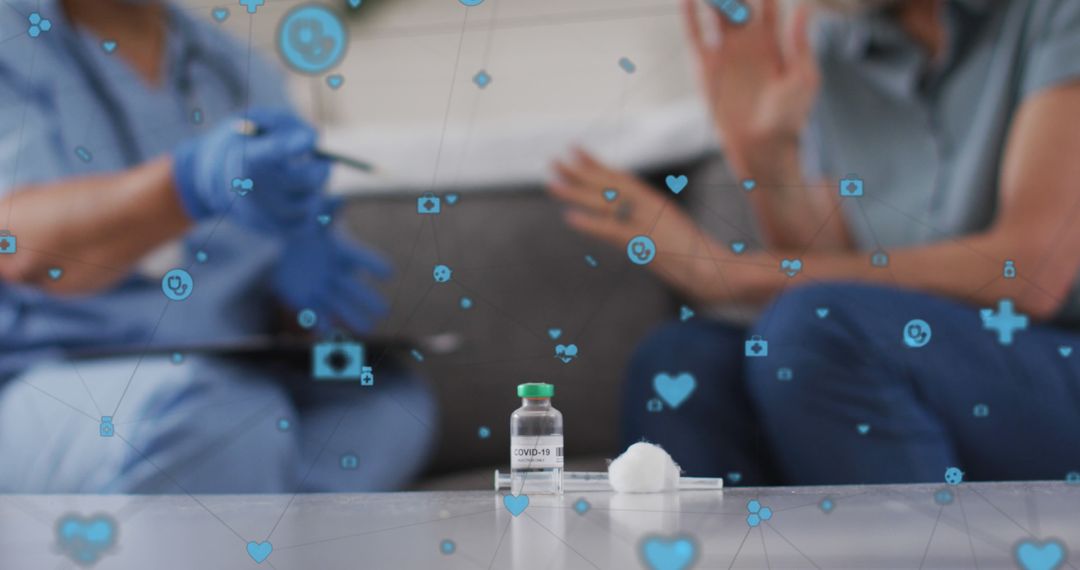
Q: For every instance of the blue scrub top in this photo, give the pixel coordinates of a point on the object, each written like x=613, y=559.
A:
x=50, y=106
x=927, y=138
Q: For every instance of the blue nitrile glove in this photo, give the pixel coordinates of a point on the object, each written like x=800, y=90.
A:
x=323, y=270
x=268, y=181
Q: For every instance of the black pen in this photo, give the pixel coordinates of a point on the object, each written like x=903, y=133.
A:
x=250, y=128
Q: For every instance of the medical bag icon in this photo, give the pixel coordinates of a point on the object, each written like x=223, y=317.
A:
x=785, y=374
x=337, y=360
x=428, y=204
x=879, y=259
x=757, y=347
x=367, y=376
x=349, y=461
x=8, y=243
x=106, y=429
x=851, y=186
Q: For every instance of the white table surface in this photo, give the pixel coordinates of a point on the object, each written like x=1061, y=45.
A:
x=870, y=527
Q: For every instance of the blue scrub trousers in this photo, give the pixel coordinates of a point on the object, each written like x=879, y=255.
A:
x=208, y=426
x=851, y=369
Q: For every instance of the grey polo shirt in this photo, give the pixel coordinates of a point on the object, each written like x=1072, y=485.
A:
x=927, y=138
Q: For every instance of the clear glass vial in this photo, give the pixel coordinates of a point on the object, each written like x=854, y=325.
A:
x=536, y=442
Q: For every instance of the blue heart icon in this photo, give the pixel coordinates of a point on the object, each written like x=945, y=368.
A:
x=324, y=219
x=335, y=81
x=674, y=390
x=554, y=333
x=822, y=312
x=55, y=273
x=791, y=267
x=610, y=194
x=259, y=551
x=242, y=185
x=738, y=247
x=516, y=504
x=354, y=3
x=452, y=198
x=676, y=183
x=685, y=313
x=220, y=14
x=749, y=184
x=1065, y=351
x=863, y=428
x=1033, y=555
x=109, y=46
x=85, y=539
x=675, y=553
x=566, y=353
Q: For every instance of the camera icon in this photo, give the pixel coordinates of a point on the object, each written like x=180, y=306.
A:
x=337, y=360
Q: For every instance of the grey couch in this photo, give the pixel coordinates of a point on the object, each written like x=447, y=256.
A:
x=525, y=273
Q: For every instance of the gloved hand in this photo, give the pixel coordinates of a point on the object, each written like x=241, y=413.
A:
x=322, y=270
x=268, y=181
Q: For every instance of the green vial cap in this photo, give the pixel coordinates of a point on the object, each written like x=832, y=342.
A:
x=535, y=390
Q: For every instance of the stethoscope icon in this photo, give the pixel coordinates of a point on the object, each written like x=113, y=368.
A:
x=641, y=250
x=177, y=284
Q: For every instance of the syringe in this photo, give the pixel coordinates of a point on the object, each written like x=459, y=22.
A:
x=598, y=481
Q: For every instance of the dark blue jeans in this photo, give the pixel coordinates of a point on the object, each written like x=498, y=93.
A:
x=861, y=406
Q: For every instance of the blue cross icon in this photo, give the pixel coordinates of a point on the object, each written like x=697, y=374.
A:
x=252, y=5
x=1005, y=321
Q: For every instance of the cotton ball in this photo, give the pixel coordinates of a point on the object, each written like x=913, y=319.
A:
x=643, y=468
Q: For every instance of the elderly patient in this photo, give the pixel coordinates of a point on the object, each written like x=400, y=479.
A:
x=960, y=119
x=111, y=157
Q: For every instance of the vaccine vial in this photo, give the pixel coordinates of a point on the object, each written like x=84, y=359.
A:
x=536, y=442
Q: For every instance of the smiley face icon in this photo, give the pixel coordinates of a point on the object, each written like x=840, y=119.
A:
x=442, y=273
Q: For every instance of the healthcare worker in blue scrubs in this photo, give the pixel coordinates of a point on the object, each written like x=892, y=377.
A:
x=118, y=154
x=962, y=347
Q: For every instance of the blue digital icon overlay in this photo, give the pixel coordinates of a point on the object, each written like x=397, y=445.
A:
x=252, y=6
x=86, y=539
x=482, y=79
x=749, y=184
x=627, y=65
x=641, y=250
x=466, y=303
x=471, y=3
x=738, y=247
x=980, y=410
x=791, y=267
x=827, y=505
x=851, y=186
x=685, y=313
x=8, y=243
x=219, y=14
x=1008, y=271
x=785, y=374
x=367, y=376
x=259, y=551
x=821, y=312
x=283, y=424
x=654, y=405
x=668, y=553
x=442, y=273
x=177, y=284
x=591, y=261
x=306, y=318
x=862, y=428
x=566, y=352
x=337, y=359
x=311, y=39
x=516, y=504
x=758, y=514
x=349, y=461
x=335, y=80
x=954, y=476
x=428, y=204
x=736, y=11
x=674, y=389
x=676, y=183
x=447, y=546
x=483, y=432
x=879, y=259
x=917, y=333
x=242, y=186
x=943, y=497
x=38, y=25
x=756, y=347
x=106, y=427
x=581, y=506
x=1005, y=321
x=554, y=333
x=1034, y=555
x=83, y=154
